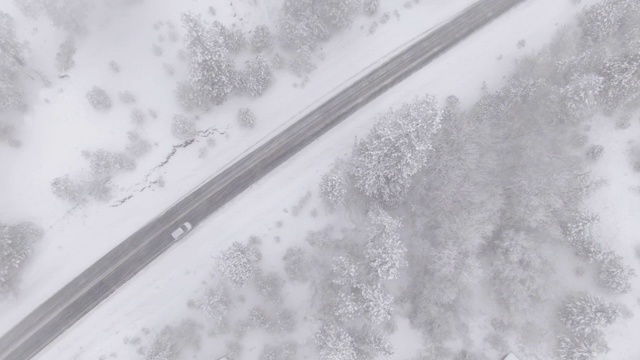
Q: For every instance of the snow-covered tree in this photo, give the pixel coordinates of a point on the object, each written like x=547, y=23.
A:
x=585, y=317
x=587, y=347
x=183, y=127
x=603, y=19
x=385, y=252
x=256, y=76
x=11, y=60
x=69, y=15
x=300, y=26
x=384, y=163
x=286, y=351
x=261, y=39
x=269, y=285
x=580, y=96
x=170, y=342
x=215, y=305
x=66, y=189
x=584, y=314
x=246, y=118
x=296, y=264
x=302, y=61
x=333, y=187
x=336, y=14
x=377, y=303
x=520, y=274
x=621, y=76
x=614, y=274
x=104, y=163
x=212, y=76
x=238, y=263
x=99, y=99
x=335, y=343
x=16, y=246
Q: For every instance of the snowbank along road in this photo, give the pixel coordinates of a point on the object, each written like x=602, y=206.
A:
x=96, y=283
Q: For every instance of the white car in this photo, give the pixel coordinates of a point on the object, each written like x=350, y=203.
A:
x=181, y=231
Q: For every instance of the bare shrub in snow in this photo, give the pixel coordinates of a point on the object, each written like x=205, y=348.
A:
x=137, y=146
x=127, y=97
x=114, y=66
x=64, y=57
x=594, y=152
x=183, y=127
x=105, y=163
x=269, y=285
x=99, y=99
x=66, y=189
x=137, y=116
x=238, y=263
x=370, y=7
x=246, y=118
x=16, y=246
x=335, y=343
x=261, y=40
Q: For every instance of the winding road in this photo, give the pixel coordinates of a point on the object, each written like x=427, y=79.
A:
x=96, y=283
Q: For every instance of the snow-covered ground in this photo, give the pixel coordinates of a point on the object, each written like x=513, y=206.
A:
x=618, y=205
x=61, y=124
x=158, y=295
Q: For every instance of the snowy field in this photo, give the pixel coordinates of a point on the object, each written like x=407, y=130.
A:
x=159, y=294
x=60, y=125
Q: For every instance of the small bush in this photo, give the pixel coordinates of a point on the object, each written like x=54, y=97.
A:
x=246, y=119
x=137, y=116
x=99, y=99
x=183, y=127
x=64, y=57
x=114, y=66
x=137, y=146
x=623, y=122
x=370, y=7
